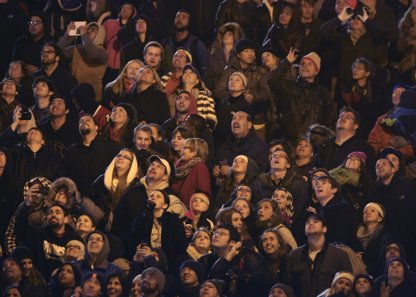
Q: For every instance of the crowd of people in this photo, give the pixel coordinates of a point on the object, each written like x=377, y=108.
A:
x=206, y=148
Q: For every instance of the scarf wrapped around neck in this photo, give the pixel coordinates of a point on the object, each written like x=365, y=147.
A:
x=366, y=238
x=183, y=167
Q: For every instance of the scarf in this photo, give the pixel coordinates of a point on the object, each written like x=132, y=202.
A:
x=366, y=238
x=183, y=167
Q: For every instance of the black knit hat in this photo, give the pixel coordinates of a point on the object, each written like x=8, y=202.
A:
x=130, y=109
x=43, y=79
x=244, y=43
x=219, y=285
x=84, y=95
x=22, y=252
x=195, y=266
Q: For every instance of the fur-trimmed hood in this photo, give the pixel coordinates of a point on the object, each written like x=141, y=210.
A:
x=73, y=195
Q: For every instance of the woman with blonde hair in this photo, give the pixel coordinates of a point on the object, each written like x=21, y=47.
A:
x=221, y=52
x=121, y=174
x=148, y=98
x=191, y=172
x=117, y=91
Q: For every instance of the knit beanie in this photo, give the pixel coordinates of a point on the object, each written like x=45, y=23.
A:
x=22, y=252
x=377, y=206
x=388, y=150
x=288, y=290
x=315, y=59
x=366, y=276
x=187, y=53
x=218, y=283
x=242, y=76
x=408, y=99
x=360, y=155
x=97, y=277
x=194, y=266
x=244, y=43
x=271, y=49
x=79, y=243
x=160, y=277
x=193, y=69
x=130, y=110
x=342, y=274
x=155, y=44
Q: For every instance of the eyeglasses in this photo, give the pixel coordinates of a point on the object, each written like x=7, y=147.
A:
x=221, y=233
x=34, y=22
x=124, y=157
x=244, y=190
x=279, y=156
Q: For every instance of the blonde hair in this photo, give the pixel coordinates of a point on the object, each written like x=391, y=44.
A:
x=158, y=82
x=199, y=146
x=117, y=85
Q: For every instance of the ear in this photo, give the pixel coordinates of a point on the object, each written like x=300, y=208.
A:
x=164, y=206
x=324, y=229
x=334, y=190
x=379, y=219
x=250, y=125
x=288, y=165
x=356, y=126
x=66, y=219
x=66, y=111
x=50, y=93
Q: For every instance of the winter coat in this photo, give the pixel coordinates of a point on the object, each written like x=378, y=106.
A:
x=88, y=59
x=84, y=164
x=250, y=146
x=308, y=282
x=6, y=113
x=216, y=64
x=28, y=50
x=173, y=237
x=151, y=105
x=300, y=103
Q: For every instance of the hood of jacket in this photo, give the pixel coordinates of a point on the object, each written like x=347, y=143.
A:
x=73, y=194
x=100, y=38
x=101, y=261
x=132, y=173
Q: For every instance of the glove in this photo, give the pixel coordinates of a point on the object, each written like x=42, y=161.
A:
x=364, y=16
x=345, y=14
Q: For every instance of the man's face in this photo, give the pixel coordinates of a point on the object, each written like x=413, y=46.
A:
x=56, y=216
x=240, y=125
x=396, y=270
x=277, y=292
x=247, y=56
x=86, y=125
x=48, y=56
x=95, y=243
x=36, y=26
x=269, y=60
x=279, y=161
x=314, y=226
x=346, y=121
x=190, y=77
x=307, y=69
x=34, y=136
x=141, y=26
x=384, y=169
x=41, y=89
x=149, y=283
x=91, y=288
x=359, y=72
x=145, y=75
x=158, y=199
x=181, y=22
x=307, y=10
x=394, y=160
x=392, y=252
x=11, y=271
x=183, y=103
x=153, y=56
x=208, y=289
x=58, y=107
x=156, y=171
x=142, y=140
x=324, y=189
x=221, y=238
x=189, y=277
x=9, y=88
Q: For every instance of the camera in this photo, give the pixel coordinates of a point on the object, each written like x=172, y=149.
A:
x=25, y=114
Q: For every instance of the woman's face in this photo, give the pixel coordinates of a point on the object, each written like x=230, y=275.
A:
x=61, y=198
x=119, y=115
x=228, y=38
x=265, y=211
x=315, y=177
x=202, y=241
x=371, y=215
x=363, y=286
x=177, y=142
x=187, y=153
x=270, y=243
x=145, y=75
x=237, y=221
x=235, y=83
x=2, y=162
x=132, y=70
x=243, y=207
x=13, y=292
x=190, y=77
x=304, y=149
x=239, y=165
x=359, y=71
x=141, y=26
x=198, y=204
x=343, y=285
x=353, y=163
x=84, y=224
x=114, y=288
x=269, y=60
x=285, y=16
x=280, y=197
x=66, y=276
x=123, y=161
x=135, y=288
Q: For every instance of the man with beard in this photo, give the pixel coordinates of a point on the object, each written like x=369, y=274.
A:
x=84, y=161
x=152, y=282
x=334, y=151
x=184, y=39
x=50, y=57
x=47, y=243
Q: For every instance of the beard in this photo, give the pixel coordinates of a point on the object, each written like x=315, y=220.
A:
x=181, y=28
x=85, y=131
x=145, y=288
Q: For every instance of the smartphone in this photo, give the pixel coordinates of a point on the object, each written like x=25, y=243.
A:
x=75, y=31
